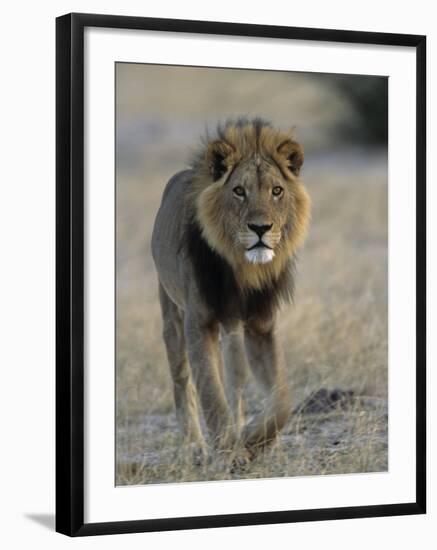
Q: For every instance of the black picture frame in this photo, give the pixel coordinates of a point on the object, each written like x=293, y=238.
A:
x=70, y=273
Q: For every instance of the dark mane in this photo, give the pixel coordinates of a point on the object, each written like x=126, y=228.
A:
x=216, y=283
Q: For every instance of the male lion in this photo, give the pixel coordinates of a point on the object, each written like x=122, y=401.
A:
x=224, y=245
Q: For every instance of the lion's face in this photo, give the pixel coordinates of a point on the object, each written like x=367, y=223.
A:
x=250, y=203
x=259, y=205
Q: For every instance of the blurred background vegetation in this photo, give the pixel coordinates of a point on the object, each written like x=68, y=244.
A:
x=368, y=95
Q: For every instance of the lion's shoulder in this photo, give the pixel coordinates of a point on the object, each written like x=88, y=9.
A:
x=178, y=184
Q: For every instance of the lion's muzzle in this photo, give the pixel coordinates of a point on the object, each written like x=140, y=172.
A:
x=259, y=243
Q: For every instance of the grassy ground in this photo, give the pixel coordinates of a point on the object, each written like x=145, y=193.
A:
x=335, y=335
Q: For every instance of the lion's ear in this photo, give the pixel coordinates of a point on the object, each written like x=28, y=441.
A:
x=218, y=156
x=292, y=154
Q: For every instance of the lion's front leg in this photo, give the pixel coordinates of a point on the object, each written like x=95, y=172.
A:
x=266, y=362
x=203, y=352
x=235, y=369
x=183, y=389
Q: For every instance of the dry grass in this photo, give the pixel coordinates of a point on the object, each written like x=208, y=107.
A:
x=338, y=442
x=335, y=335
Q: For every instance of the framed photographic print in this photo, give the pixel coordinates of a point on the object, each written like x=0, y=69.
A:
x=240, y=274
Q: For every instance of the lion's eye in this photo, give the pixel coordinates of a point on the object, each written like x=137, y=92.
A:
x=239, y=191
x=276, y=191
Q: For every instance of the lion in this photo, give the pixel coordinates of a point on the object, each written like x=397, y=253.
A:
x=224, y=245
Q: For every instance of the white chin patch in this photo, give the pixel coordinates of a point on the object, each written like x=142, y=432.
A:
x=259, y=255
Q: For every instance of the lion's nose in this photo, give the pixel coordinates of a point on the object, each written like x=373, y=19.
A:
x=259, y=229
